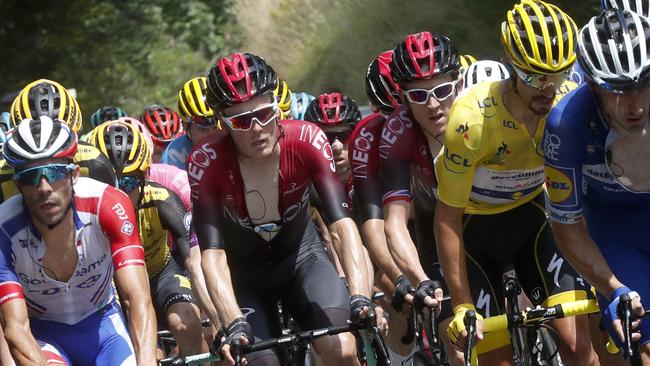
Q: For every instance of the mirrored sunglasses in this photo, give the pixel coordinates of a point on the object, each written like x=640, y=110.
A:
x=128, y=183
x=52, y=172
x=262, y=115
x=539, y=81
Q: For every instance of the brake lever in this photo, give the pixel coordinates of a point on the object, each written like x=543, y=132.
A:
x=470, y=325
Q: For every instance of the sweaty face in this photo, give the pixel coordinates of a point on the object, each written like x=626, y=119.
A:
x=433, y=115
x=48, y=202
x=339, y=149
x=259, y=141
x=628, y=111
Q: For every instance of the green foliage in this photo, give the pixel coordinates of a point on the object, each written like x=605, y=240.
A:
x=114, y=52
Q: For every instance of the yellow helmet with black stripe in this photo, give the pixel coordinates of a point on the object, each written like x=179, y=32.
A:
x=465, y=61
x=539, y=37
x=124, y=145
x=283, y=95
x=46, y=98
x=192, y=105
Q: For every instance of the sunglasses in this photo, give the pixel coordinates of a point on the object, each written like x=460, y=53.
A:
x=338, y=135
x=52, y=172
x=439, y=92
x=262, y=115
x=541, y=82
x=129, y=183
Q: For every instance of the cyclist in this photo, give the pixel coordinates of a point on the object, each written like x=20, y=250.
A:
x=465, y=62
x=490, y=180
x=164, y=227
x=250, y=192
x=283, y=96
x=64, y=240
x=105, y=114
x=48, y=98
x=426, y=68
x=383, y=93
x=299, y=103
x=5, y=124
x=595, y=151
x=164, y=124
x=198, y=122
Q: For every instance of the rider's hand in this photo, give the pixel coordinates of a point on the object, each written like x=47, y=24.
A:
x=402, y=294
x=456, y=330
x=361, y=307
x=428, y=294
x=611, y=313
x=237, y=334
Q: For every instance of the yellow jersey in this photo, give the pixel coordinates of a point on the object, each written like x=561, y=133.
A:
x=489, y=163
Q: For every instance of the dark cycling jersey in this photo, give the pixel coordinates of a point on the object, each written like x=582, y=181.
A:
x=92, y=164
x=221, y=217
x=406, y=164
x=363, y=153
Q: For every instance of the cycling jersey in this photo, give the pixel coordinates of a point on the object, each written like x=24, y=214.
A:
x=92, y=163
x=581, y=184
x=107, y=240
x=222, y=219
x=177, y=151
x=476, y=168
x=363, y=154
x=174, y=179
x=406, y=163
x=161, y=215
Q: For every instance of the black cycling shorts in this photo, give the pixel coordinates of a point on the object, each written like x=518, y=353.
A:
x=520, y=237
x=306, y=282
x=169, y=287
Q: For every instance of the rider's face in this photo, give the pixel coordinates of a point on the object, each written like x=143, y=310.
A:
x=339, y=149
x=432, y=116
x=48, y=202
x=197, y=133
x=539, y=101
x=627, y=111
x=259, y=141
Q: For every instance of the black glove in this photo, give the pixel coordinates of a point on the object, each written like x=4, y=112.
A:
x=357, y=303
x=238, y=328
x=425, y=288
x=402, y=288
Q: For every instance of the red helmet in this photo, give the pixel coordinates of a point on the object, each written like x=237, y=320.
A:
x=423, y=56
x=163, y=123
x=332, y=109
x=382, y=90
x=238, y=78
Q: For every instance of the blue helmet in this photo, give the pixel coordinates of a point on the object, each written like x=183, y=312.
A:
x=299, y=103
x=5, y=123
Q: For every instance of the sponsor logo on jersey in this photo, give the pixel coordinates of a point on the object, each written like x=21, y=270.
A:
x=395, y=126
x=551, y=146
x=199, y=161
x=120, y=211
x=488, y=106
x=509, y=124
x=316, y=137
x=499, y=157
x=559, y=185
x=463, y=130
x=455, y=163
x=363, y=143
x=127, y=228
x=187, y=220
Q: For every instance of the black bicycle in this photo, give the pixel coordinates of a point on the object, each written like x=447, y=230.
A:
x=523, y=319
x=298, y=340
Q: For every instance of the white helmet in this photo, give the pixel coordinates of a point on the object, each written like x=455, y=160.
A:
x=39, y=139
x=615, y=50
x=641, y=7
x=484, y=71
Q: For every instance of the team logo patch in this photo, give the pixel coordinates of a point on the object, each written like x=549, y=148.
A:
x=127, y=228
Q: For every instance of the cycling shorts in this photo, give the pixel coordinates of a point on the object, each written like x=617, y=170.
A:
x=306, y=283
x=100, y=339
x=169, y=287
x=520, y=237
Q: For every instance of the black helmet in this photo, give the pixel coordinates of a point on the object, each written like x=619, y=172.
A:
x=333, y=109
x=423, y=56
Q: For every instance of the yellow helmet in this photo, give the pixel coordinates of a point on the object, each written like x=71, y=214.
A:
x=465, y=61
x=46, y=98
x=124, y=145
x=283, y=96
x=539, y=37
x=192, y=105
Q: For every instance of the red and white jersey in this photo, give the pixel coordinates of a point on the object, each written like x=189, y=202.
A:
x=107, y=239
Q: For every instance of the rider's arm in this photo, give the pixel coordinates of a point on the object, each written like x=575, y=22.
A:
x=398, y=238
x=119, y=223
x=193, y=265
x=213, y=259
x=347, y=243
x=580, y=250
x=15, y=325
x=373, y=232
x=455, y=168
